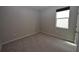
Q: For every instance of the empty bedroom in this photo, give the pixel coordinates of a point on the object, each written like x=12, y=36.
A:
x=39, y=28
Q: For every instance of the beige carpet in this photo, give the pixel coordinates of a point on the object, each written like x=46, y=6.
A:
x=39, y=43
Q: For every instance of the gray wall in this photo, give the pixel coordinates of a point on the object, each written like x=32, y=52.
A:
x=18, y=21
x=49, y=21
x=77, y=33
x=0, y=26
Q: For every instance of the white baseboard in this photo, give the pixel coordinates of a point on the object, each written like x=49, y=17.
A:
x=56, y=36
x=52, y=35
x=19, y=38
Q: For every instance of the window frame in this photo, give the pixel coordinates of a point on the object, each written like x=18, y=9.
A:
x=60, y=10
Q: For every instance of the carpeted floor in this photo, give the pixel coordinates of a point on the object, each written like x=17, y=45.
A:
x=39, y=43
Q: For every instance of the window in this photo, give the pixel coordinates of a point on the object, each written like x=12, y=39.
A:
x=62, y=18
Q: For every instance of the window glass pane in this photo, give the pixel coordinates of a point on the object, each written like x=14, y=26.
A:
x=62, y=14
x=62, y=23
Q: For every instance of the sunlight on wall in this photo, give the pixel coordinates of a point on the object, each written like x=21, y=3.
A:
x=73, y=44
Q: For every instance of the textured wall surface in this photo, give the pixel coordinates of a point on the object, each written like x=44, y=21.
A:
x=18, y=21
